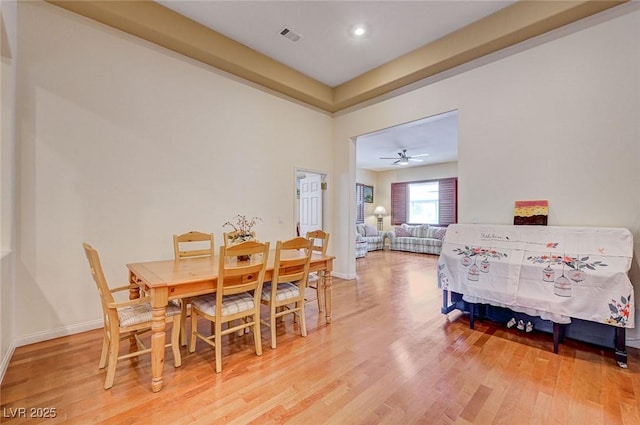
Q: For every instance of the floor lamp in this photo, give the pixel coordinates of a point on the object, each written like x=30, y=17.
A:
x=379, y=211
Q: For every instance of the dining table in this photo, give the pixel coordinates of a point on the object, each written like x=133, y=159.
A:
x=166, y=280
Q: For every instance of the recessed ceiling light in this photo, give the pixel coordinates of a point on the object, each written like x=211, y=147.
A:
x=359, y=31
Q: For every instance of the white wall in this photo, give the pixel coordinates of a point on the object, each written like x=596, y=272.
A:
x=8, y=38
x=122, y=144
x=557, y=120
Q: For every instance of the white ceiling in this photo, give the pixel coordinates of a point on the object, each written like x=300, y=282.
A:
x=436, y=137
x=327, y=53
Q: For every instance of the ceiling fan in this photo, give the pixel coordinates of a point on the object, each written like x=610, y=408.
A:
x=404, y=159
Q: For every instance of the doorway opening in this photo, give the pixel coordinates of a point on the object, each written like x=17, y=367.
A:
x=310, y=187
x=418, y=151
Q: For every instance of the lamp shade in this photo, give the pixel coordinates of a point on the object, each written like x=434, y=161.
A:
x=379, y=210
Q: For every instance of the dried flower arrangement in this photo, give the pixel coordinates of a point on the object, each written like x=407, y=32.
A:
x=242, y=227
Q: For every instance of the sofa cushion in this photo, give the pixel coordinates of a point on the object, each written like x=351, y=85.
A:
x=413, y=231
x=417, y=231
x=441, y=232
x=436, y=232
x=401, y=232
x=370, y=230
x=411, y=241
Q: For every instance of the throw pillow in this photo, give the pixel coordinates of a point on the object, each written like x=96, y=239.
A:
x=424, y=230
x=401, y=232
x=370, y=230
x=415, y=231
x=441, y=232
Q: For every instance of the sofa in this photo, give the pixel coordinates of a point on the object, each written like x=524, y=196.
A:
x=374, y=238
x=361, y=248
x=421, y=238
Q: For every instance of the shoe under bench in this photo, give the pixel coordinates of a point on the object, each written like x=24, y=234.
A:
x=598, y=334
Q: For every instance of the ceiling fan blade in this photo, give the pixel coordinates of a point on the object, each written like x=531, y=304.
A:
x=422, y=154
x=413, y=159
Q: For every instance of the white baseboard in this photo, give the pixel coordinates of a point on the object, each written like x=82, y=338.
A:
x=5, y=361
x=57, y=333
x=343, y=276
x=45, y=336
x=634, y=342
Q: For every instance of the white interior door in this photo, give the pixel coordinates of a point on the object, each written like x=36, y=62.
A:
x=310, y=203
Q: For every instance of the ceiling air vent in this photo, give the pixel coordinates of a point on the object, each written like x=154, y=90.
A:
x=291, y=35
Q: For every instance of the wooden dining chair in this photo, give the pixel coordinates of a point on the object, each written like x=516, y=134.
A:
x=320, y=242
x=188, y=245
x=199, y=244
x=285, y=293
x=237, y=297
x=126, y=319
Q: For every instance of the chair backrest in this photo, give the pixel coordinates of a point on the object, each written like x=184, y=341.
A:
x=106, y=297
x=203, y=241
x=241, y=276
x=230, y=237
x=290, y=264
x=319, y=241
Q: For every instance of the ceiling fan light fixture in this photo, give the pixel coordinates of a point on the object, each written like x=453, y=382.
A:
x=403, y=158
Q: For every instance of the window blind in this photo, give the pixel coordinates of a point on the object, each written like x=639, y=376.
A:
x=399, y=203
x=359, y=203
x=448, y=193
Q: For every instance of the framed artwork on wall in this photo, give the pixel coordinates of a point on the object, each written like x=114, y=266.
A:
x=531, y=212
x=368, y=194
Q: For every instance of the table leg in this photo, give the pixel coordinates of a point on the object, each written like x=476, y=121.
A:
x=327, y=295
x=621, y=350
x=159, y=303
x=320, y=291
x=134, y=293
x=445, y=302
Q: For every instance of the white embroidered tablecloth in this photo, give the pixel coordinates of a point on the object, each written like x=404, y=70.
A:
x=553, y=272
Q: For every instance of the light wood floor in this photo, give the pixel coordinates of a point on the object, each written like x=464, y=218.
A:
x=389, y=357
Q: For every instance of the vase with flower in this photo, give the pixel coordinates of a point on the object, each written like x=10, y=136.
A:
x=242, y=231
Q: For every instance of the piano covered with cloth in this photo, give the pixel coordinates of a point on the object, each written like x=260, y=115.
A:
x=556, y=275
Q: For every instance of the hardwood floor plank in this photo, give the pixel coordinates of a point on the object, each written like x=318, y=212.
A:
x=476, y=403
x=388, y=357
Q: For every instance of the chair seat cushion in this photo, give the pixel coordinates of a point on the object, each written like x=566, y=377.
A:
x=286, y=291
x=140, y=313
x=231, y=304
x=312, y=280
